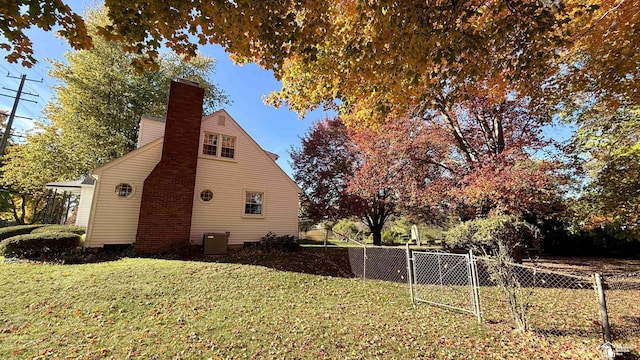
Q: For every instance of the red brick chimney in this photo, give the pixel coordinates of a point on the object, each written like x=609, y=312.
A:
x=167, y=196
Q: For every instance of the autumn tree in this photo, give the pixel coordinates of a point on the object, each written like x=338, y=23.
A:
x=96, y=110
x=382, y=54
x=328, y=166
x=475, y=156
x=611, y=148
x=322, y=166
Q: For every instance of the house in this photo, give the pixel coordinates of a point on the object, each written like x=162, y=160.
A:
x=190, y=175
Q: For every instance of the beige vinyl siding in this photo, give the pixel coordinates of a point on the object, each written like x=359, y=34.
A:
x=151, y=129
x=251, y=170
x=84, y=206
x=114, y=220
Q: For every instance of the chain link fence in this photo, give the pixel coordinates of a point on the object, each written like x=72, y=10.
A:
x=379, y=263
x=553, y=303
x=445, y=279
x=549, y=302
x=622, y=294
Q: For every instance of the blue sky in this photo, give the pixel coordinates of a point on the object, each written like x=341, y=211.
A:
x=276, y=130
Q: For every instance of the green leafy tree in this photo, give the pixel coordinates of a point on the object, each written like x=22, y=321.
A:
x=94, y=116
x=97, y=108
x=611, y=147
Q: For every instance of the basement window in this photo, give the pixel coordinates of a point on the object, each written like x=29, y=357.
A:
x=124, y=190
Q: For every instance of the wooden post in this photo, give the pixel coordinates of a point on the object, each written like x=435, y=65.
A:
x=602, y=302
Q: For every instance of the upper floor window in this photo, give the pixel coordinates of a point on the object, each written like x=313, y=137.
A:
x=210, y=144
x=228, y=147
x=223, y=146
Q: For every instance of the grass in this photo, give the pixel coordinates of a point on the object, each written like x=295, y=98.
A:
x=249, y=306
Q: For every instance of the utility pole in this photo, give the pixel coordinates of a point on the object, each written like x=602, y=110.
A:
x=7, y=131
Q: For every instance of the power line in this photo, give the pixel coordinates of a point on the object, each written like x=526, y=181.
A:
x=5, y=136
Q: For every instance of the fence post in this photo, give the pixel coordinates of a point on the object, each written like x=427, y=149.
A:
x=602, y=302
x=475, y=285
x=364, y=262
x=409, y=275
x=326, y=237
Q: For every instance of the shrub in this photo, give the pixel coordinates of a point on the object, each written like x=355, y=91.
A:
x=390, y=237
x=304, y=225
x=346, y=228
x=494, y=235
x=35, y=245
x=12, y=231
x=500, y=237
x=273, y=242
x=75, y=229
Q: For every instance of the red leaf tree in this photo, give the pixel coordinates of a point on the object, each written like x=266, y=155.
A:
x=326, y=167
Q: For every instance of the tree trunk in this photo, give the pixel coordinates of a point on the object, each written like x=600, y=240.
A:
x=377, y=237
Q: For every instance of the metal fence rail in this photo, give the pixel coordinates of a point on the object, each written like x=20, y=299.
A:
x=554, y=303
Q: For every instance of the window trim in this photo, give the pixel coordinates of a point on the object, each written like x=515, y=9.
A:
x=203, y=200
x=133, y=190
x=262, y=215
x=215, y=148
x=219, y=147
x=222, y=147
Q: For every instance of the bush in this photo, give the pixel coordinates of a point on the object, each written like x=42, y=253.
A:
x=347, y=229
x=273, y=242
x=502, y=237
x=35, y=245
x=493, y=235
x=12, y=231
x=391, y=237
x=304, y=225
x=74, y=229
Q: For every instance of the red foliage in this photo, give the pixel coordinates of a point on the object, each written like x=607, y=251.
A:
x=475, y=157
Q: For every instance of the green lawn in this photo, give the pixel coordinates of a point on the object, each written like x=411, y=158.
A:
x=148, y=308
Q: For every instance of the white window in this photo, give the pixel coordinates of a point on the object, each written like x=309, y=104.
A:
x=228, y=147
x=223, y=146
x=210, y=144
x=253, y=203
x=124, y=190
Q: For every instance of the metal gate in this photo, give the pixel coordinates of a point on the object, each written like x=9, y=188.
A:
x=445, y=279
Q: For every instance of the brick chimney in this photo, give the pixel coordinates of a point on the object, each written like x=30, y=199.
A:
x=167, y=196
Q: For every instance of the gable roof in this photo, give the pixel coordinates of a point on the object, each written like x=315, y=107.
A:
x=269, y=156
x=125, y=157
x=265, y=153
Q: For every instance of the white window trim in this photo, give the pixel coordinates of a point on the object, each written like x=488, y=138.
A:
x=204, y=133
x=213, y=198
x=218, y=155
x=133, y=190
x=244, y=202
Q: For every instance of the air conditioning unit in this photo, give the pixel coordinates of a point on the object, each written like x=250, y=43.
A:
x=215, y=243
